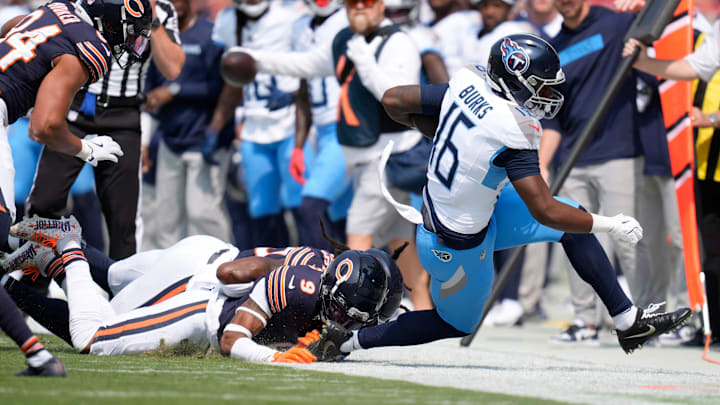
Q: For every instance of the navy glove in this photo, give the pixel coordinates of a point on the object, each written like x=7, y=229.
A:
x=279, y=99
x=210, y=145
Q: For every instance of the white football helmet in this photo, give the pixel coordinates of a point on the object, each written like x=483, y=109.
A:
x=403, y=12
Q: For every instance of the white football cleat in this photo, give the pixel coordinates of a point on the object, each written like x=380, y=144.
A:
x=32, y=258
x=52, y=233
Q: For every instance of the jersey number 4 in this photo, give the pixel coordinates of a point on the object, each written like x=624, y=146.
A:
x=23, y=43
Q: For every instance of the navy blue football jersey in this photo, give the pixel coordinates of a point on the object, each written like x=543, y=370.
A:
x=28, y=50
x=293, y=256
x=293, y=295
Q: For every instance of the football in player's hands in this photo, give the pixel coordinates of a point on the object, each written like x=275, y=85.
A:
x=238, y=67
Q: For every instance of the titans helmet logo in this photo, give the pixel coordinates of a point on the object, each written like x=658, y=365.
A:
x=515, y=58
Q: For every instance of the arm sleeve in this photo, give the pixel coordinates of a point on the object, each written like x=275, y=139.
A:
x=398, y=64
x=431, y=97
x=316, y=62
x=706, y=59
x=518, y=163
x=259, y=295
x=247, y=350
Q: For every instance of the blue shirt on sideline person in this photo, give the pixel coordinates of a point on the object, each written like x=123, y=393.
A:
x=590, y=55
x=183, y=120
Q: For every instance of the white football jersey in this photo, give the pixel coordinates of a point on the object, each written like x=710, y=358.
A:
x=272, y=32
x=424, y=38
x=477, y=50
x=324, y=91
x=450, y=31
x=475, y=126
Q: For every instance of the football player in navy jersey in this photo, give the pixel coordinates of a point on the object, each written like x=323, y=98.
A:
x=45, y=58
x=196, y=291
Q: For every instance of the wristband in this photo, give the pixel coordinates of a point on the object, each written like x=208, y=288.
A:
x=601, y=224
x=85, y=151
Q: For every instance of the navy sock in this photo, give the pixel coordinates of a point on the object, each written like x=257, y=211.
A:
x=51, y=313
x=99, y=265
x=307, y=217
x=270, y=231
x=410, y=328
x=86, y=208
x=592, y=265
x=11, y=320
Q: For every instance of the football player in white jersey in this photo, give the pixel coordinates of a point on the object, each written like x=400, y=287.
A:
x=326, y=187
x=486, y=129
x=452, y=23
x=494, y=25
x=269, y=115
x=405, y=13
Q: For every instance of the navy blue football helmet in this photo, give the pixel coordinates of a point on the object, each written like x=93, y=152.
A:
x=354, y=289
x=125, y=25
x=395, y=286
x=524, y=68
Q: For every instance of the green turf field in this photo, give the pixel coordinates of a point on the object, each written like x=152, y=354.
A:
x=180, y=379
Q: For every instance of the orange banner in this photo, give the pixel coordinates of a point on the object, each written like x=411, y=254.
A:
x=676, y=97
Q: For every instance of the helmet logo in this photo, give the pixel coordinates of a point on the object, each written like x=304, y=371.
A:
x=136, y=12
x=339, y=274
x=515, y=58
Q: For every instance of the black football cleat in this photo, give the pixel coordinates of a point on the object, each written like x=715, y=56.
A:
x=51, y=368
x=649, y=324
x=327, y=347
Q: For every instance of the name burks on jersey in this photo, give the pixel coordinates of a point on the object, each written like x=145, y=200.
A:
x=475, y=101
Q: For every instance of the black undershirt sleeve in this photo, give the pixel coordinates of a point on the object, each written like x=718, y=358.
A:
x=518, y=163
x=432, y=96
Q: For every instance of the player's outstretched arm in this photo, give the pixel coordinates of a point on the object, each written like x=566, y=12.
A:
x=557, y=215
x=237, y=342
x=404, y=104
x=56, y=92
x=246, y=269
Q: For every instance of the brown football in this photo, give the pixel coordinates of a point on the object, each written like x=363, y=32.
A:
x=237, y=68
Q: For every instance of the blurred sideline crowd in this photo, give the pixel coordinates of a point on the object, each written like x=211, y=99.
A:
x=262, y=165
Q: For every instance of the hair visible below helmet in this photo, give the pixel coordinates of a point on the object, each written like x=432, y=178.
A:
x=353, y=289
x=125, y=25
x=323, y=8
x=403, y=12
x=252, y=10
x=524, y=68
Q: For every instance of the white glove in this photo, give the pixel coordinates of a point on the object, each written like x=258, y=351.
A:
x=97, y=148
x=360, y=52
x=620, y=227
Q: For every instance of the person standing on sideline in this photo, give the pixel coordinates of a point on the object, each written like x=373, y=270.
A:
x=189, y=191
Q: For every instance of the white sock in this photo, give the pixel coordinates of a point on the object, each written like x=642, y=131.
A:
x=37, y=359
x=626, y=319
x=351, y=344
x=13, y=242
x=88, y=308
